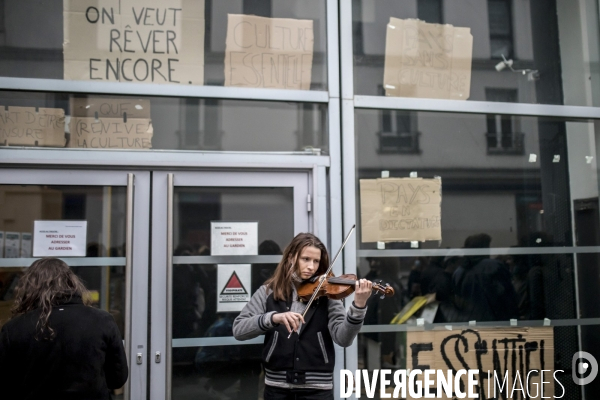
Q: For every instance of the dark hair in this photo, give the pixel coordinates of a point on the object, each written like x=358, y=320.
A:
x=45, y=284
x=281, y=282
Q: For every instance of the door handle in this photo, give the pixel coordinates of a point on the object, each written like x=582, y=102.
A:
x=157, y=357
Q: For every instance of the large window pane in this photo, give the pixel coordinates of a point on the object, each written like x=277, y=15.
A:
x=507, y=176
x=518, y=195
x=103, y=208
x=38, y=53
x=551, y=53
x=220, y=369
x=119, y=122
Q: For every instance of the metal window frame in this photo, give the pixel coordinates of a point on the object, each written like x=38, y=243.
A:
x=137, y=253
x=300, y=178
x=351, y=102
x=326, y=172
x=148, y=89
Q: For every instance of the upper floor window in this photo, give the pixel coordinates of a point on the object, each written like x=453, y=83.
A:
x=501, y=31
x=430, y=11
x=503, y=131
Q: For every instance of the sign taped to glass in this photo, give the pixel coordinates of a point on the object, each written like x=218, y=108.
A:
x=59, y=238
x=400, y=209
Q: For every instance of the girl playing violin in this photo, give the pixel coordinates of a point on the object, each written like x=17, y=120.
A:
x=302, y=366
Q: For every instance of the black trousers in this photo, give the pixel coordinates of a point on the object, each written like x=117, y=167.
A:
x=275, y=393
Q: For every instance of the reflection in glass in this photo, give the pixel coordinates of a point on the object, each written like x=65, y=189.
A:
x=506, y=176
x=514, y=191
x=104, y=209
x=541, y=41
x=190, y=124
x=220, y=370
x=39, y=54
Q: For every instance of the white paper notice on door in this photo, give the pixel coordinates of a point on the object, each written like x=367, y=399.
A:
x=233, y=238
x=233, y=286
x=59, y=238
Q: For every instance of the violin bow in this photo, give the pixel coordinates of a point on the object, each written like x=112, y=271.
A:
x=322, y=278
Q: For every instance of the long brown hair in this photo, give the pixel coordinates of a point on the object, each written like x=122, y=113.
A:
x=281, y=281
x=45, y=284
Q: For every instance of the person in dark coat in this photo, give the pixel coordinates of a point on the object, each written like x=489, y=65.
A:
x=56, y=346
x=482, y=286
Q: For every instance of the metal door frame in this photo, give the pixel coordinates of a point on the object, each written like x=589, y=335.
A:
x=308, y=184
x=136, y=260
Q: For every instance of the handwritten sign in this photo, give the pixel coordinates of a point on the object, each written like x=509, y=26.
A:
x=400, y=209
x=268, y=52
x=59, y=238
x=507, y=352
x=110, y=133
x=233, y=238
x=233, y=286
x=134, y=41
x=103, y=123
x=28, y=126
x=427, y=60
x=100, y=107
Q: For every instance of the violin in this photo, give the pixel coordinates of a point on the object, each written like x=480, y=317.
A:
x=337, y=287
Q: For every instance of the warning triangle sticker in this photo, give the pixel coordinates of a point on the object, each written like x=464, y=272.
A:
x=234, y=286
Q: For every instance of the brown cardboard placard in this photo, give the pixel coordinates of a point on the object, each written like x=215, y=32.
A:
x=494, y=350
x=101, y=107
x=134, y=41
x=111, y=133
x=427, y=60
x=26, y=126
x=268, y=52
x=400, y=209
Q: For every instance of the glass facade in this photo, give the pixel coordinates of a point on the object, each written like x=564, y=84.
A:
x=499, y=100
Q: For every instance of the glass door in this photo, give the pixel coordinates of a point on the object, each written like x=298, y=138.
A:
x=107, y=206
x=216, y=237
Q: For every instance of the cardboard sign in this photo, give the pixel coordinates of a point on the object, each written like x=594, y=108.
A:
x=99, y=107
x=59, y=238
x=233, y=286
x=427, y=60
x=110, y=133
x=496, y=350
x=12, y=244
x=26, y=126
x=400, y=209
x=134, y=41
x=268, y=52
x=106, y=123
x=234, y=238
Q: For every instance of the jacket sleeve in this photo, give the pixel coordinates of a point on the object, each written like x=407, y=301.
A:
x=115, y=365
x=253, y=321
x=344, y=326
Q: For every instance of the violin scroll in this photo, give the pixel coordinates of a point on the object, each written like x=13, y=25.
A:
x=385, y=289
